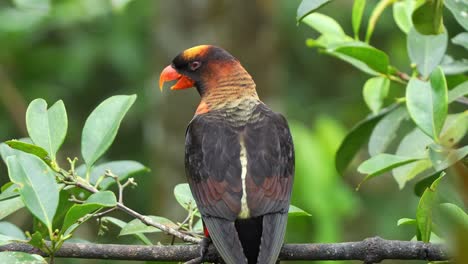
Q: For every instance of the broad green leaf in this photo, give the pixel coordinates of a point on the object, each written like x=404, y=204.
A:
x=356, y=138
x=11, y=230
x=308, y=6
x=10, y=206
x=375, y=90
x=406, y=221
x=122, y=168
x=325, y=25
x=136, y=226
x=296, y=211
x=457, y=92
x=455, y=213
x=184, y=196
x=9, y=190
x=455, y=128
x=459, y=10
x=121, y=224
x=381, y=163
x=6, y=151
x=37, y=186
x=427, y=103
x=461, y=39
x=402, y=11
x=101, y=127
x=426, y=51
x=47, y=127
x=414, y=144
x=455, y=67
x=427, y=18
x=36, y=240
x=21, y=258
x=386, y=131
x=356, y=63
x=373, y=58
x=425, y=208
x=358, y=10
x=443, y=158
x=29, y=148
x=78, y=211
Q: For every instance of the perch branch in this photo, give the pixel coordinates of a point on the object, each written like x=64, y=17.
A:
x=370, y=250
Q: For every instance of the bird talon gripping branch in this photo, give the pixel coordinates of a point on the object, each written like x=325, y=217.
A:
x=239, y=157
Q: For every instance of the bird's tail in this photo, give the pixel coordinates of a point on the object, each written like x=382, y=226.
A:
x=274, y=229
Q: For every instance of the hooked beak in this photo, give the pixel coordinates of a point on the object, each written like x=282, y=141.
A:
x=170, y=74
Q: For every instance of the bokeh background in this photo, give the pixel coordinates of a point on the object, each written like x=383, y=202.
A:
x=85, y=51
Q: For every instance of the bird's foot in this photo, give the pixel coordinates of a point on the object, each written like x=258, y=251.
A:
x=204, y=244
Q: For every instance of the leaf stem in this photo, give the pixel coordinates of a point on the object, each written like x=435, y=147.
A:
x=376, y=13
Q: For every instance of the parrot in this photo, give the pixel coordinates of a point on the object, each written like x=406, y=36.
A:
x=239, y=156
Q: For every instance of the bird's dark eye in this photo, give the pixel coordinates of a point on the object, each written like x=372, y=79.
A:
x=194, y=65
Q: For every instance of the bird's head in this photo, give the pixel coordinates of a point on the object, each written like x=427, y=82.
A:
x=202, y=67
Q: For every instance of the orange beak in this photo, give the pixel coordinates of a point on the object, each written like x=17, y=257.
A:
x=170, y=74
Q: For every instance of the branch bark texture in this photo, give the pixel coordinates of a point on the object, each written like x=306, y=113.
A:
x=371, y=250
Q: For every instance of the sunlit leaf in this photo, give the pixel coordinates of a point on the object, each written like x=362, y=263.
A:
x=136, y=226
x=37, y=186
x=455, y=128
x=101, y=126
x=354, y=140
x=427, y=103
x=358, y=10
x=427, y=18
x=10, y=206
x=47, y=127
x=381, y=163
x=373, y=58
x=121, y=224
x=426, y=51
x=184, y=196
x=296, y=211
x=402, y=11
x=11, y=230
x=425, y=208
x=459, y=10
x=375, y=90
x=308, y=6
x=21, y=258
x=406, y=221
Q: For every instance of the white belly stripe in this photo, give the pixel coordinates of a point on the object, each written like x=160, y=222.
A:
x=244, y=213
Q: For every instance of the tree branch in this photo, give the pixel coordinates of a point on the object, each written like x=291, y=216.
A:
x=371, y=250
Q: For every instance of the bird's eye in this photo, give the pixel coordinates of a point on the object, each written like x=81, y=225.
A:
x=194, y=65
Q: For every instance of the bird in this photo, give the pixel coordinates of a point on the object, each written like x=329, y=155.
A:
x=239, y=156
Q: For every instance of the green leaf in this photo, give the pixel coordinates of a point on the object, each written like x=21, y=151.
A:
x=37, y=186
x=373, y=58
x=137, y=227
x=78, y=211
x=11, y=230
x=386, y=131
x=459, y=10
x=10, y=206
x=325, y=25
x=21, y=258
x=9, y=190
x=426, y=51
x=457, y=92
x=47, y=128
x=121, y=224
x=6, y=239
x=443, y=158
x=455, y=128
x=101, y=126
x=406, y=221
x=381, y=163
x=427, y=18
x=461, y=39
x=425, y=183
x=122, y=168
x=454, y=66
x=6, y=151
x=356, y=138
x=296, y=211
x=414, y=144
x=427, y=103
x=375, y=90
x=308, y=6
x=184, y=197
x=425, y=208
x=456, y=214
x=402, y=11
x=358, y=10
x=29, y=148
